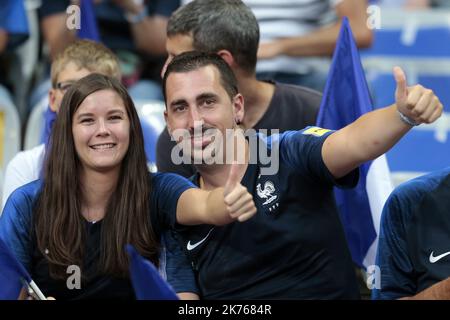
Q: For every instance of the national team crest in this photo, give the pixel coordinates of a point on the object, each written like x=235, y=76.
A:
x=267, y=192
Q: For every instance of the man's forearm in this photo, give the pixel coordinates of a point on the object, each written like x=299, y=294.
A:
x=367, y=138
x=203, y=207
x=321, y=42
x=150, y=35
x=3, y=40
x=56, y=33
x=375, y=133
x=149, y=32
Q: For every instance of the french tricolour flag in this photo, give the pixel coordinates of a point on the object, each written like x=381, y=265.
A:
x=345, y=98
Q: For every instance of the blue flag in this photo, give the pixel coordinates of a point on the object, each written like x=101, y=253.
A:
x=12, y=273
x=147, y=283
x=88, y=24
x=346, y=97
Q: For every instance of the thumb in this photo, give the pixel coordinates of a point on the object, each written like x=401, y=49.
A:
x=401, y=92
x=233, y=178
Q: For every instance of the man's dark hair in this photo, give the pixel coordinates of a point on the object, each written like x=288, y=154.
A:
x=193, y=60
x=219, y=25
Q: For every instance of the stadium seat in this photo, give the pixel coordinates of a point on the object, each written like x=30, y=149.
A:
x=35, y=124
x=423, y=42
x=151, y=114
x=1, y=187
x=10, y=138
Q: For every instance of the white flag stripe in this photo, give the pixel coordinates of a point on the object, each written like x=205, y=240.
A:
x=379, y=186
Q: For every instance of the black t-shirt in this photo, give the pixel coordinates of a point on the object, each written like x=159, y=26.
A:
x=94, y=285
x=293, y=248
x=291, y=108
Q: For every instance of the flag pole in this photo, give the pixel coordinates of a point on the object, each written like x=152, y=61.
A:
x=33, y=290
x=38, y=291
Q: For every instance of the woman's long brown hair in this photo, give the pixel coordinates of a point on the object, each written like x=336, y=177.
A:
x=59, y=225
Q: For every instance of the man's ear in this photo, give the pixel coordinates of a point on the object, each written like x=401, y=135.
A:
x=228, y=57
x=169, y=130
x=238, y=108
x=52, y=100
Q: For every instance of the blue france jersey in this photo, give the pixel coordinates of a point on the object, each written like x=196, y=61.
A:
x=17, y=231
x=414, y=244
x=294, y=247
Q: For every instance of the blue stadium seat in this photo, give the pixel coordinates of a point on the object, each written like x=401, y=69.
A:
x=420, y=151
x=36, y=124
x=425, y=42
x=151, y=114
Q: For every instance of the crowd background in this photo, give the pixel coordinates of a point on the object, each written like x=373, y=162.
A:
x=413, y=34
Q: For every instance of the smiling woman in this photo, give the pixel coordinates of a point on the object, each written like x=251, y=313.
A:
x=96, y=196
x=101, y=131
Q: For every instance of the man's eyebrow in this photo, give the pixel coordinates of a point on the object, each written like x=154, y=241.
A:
x=206, y=95
x=200, y=97
x=177, y=102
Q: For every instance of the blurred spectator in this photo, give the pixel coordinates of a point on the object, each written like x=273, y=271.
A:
x=295, y=33
x=408, y=4
x=413, y=252
x=229, y=28
x=440, y=3
x=298, y=37
x=134, y=30
x=13, y=31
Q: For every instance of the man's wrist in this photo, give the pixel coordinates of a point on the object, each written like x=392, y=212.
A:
x=406, y=119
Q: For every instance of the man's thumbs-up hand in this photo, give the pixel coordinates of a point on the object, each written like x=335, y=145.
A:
x=239, y=201
x=416, y=103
